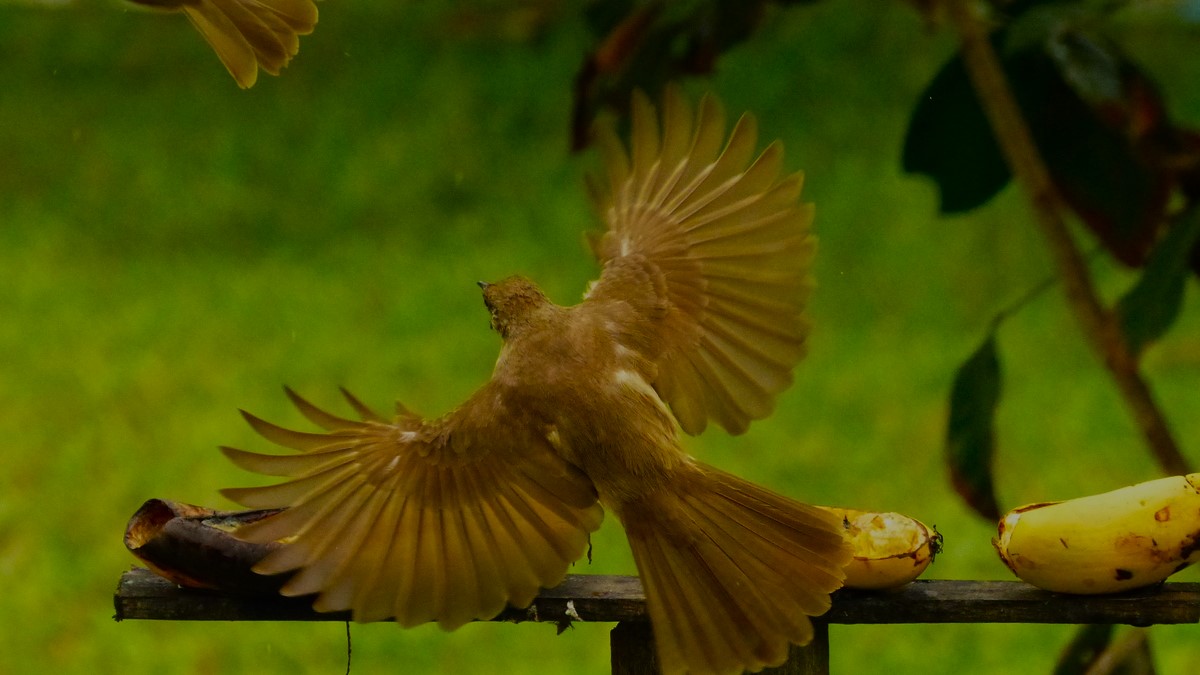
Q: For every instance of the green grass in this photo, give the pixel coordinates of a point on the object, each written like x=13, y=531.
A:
x=172, y=248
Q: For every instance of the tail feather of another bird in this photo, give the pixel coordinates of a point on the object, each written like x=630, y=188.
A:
x=732, y=571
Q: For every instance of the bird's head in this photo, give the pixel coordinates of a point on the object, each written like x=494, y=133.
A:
x=514, y=304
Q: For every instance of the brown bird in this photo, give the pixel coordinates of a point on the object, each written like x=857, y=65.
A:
x=247, y=34
x=697, y=315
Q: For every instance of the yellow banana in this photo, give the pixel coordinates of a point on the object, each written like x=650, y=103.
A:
x=890, y=549
x=1116, y=541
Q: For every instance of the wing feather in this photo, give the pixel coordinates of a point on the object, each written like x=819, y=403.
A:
x=419, y=521
x=321, y=418
x=251, y=34
x=712, y=245
x=299, y=15
x=375, y=584
x=356, y=563
x=478, y=537
x=365, y=412
x=330, y=542
x=462, y=575
x=428, y=581
x=287, y=465
x=232, y=48
x=289, y=493
x=403, y=568
x=294, y=440
x=518, y=574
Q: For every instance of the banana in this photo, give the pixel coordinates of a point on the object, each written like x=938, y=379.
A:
x=1107, y=543
x=890, y=549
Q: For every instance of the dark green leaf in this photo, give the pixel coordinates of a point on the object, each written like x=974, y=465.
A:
x=1089, y=109
x=970, y=437
x=1098, y=121
x=1148, y=309
x=645, y=45
x=950, y=140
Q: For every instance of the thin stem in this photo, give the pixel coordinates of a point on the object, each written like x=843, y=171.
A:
x=1099, y=326
x=1117, y=655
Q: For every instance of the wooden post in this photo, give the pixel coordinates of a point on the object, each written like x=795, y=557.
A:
x=632, y=647
x=812, y=659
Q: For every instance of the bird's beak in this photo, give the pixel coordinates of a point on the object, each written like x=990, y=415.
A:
x=483, y=285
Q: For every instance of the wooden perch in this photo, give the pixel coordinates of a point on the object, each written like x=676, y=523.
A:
x=206, y=576
x=588, y=597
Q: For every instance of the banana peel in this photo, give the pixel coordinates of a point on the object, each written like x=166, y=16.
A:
x=194, y=546
x=1107, y=543
x=890, y=549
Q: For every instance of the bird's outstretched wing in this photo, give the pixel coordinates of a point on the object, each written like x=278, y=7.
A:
x=416, y=520
x=250, y=34
x=716, y=243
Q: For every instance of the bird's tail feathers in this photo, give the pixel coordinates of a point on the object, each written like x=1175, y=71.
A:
x=731, y=571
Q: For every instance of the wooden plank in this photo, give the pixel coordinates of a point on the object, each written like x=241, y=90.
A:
x=141, y=594
x=811, y=659
x=144, y=595
x=945, y=601
x=631, y=646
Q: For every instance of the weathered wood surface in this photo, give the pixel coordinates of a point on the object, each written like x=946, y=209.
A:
x=143, y=595
x=1015, y=602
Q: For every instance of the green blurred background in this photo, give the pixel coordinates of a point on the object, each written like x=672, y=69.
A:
x=172, y=248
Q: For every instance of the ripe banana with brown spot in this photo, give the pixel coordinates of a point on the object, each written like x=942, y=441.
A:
x=1120, y=540
x=890, y=549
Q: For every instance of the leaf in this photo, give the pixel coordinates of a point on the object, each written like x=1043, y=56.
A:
x=950, y=140
x=645, y=45
x=1093, y=114
x=970, y=436
x=1151, y=306
x=1097, y=119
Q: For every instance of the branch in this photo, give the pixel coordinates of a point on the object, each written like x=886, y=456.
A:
x=1099, y=326
x=1116, y=656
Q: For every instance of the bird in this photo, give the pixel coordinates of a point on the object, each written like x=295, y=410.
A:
x=247, y=34
x=698, y=315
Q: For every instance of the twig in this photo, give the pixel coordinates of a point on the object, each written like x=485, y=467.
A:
x=1115, y=656
x=1099, y=326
